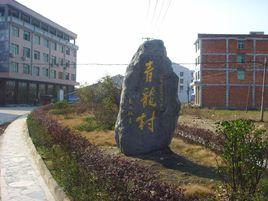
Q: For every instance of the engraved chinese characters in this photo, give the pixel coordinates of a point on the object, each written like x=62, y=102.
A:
x=149, y=104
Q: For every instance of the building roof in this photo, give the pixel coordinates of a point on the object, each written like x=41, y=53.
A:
x=251, y=34
x=36, y=15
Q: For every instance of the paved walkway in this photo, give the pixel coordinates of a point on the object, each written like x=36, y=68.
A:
x=20, y=179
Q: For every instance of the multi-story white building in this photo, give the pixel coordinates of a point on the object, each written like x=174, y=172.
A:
x=185, y=91
x=37, y=56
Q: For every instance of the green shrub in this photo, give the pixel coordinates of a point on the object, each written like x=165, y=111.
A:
x=243, y=158
x=61, y=104
x=88, y=125
x=62, y=107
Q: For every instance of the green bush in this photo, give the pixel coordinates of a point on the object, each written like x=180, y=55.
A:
x=88, y=125
x=62, y=107
x=243, y=158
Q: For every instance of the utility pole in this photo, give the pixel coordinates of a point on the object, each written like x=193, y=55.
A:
x=249, y=86
x=263, y=89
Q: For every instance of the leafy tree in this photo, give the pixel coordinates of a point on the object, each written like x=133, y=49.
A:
x=103, y=100
x=243, y=158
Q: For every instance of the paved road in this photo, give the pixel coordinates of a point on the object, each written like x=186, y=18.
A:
x=8, y=114
x=20, y=179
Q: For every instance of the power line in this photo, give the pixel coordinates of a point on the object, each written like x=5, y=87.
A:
x=147, y=15
x=169, y=3
x=120, y=64
x=160, y=12
x=155, y=7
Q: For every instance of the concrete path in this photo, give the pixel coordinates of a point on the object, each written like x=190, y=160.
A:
x=20, y=179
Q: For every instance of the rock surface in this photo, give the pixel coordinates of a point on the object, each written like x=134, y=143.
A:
x=149, y=104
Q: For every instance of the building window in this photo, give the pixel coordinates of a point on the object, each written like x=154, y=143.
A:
x=26, y=35
x=241, y=58
x=181, y=81
x=53, y=60
x=68, y=64
x=181, y=88
x=25, y=18
x=54, y=46
x=2, y=11
x=62, y=49
x=15, y=31
x=26, y=52
x=14, y=67
x=36, y=55
x=240, y=44
x=197, y=61
x=14, y=49
x=36, y=71
x=45, y=57
x=26, y=69
x=74, y=53
x=73, y=77
x=181, y=74
x=67, y=76
x=60, y=75
x=46, y=43
x=68, y=51
x=45, y=72
x=36, y=40
x=241, y=74
x=60, y=61
x=197, y=75
x=53, y=74
x=13, y=13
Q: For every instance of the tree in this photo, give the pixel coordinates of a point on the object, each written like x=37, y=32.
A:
x=103, y=99
x=243, y=158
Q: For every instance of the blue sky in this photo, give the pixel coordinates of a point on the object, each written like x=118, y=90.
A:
x=110, y=31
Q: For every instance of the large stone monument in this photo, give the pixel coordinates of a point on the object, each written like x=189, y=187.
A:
x=149, y=104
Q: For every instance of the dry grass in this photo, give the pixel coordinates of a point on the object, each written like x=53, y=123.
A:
x=196, y=153
x=194, y=190
x=100, y=138
x=189, y=166
x=71, y=121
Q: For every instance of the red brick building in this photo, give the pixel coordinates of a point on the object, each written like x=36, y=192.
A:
x=230, y=70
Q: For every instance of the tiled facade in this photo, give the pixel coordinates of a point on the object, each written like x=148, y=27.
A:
x=230, y=70
x=37, y=56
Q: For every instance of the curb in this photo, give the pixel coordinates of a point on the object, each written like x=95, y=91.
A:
x=52, y=185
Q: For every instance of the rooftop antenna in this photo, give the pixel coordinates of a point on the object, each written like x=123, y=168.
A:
x=147, y=38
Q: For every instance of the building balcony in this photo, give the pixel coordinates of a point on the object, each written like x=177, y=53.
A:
x=42, y=32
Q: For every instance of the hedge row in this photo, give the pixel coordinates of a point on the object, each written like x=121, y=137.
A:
x=200, y=136
x=124, y=179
